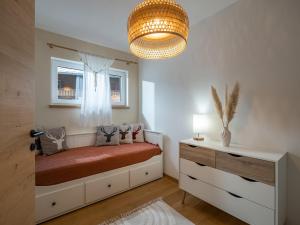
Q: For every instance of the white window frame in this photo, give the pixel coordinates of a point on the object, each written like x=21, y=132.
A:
x=55, y=63
x=113, y=72
x=123, y=75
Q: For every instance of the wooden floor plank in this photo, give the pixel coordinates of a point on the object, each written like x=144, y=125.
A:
x=166, y=188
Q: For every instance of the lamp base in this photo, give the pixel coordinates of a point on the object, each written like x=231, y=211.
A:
x=198, y=138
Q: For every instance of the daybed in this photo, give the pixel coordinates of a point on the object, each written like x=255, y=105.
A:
x=83, y=175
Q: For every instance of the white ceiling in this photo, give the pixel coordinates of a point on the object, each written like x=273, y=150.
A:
x=104, y=22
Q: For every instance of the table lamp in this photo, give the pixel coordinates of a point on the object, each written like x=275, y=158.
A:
x=200, y=124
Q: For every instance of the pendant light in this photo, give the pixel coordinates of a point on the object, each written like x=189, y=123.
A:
x=157, y=29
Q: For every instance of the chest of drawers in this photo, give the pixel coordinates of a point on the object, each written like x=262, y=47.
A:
x=249, y=184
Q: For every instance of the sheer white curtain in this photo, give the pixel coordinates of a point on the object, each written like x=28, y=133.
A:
x=96, y=103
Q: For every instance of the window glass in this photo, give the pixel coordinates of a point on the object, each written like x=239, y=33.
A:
x=119, y=86
x=115, y=86
x=69, y=83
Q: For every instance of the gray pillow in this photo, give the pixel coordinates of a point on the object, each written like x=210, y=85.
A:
x=126, y=134
x=107, y=135
x=54, y=141
x=138, y=132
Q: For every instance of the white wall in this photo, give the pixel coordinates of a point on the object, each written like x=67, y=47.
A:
x=255, y=42
x=70, y=117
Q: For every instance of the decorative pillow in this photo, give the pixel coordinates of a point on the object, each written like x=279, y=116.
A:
x=107, y=135
x=138, y=132
x=126, y=134
x=54, y=141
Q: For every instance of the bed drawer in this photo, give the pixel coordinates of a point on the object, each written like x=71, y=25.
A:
x=107, y=186
x=143, y=174
x=256, y=169
x=198, y=154
x=58, y=202
x=255, y=191
x=235, y=205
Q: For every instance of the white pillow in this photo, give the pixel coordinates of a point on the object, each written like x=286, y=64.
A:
x=107, y=135
x=138, y=132
x=126, y=134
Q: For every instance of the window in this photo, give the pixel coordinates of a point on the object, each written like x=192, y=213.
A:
x=67, y=83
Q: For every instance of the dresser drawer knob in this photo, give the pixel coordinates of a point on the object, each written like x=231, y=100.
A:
x=53, y=204
x=193, y=178
x=234, y=195
x=200, y=164
x=146, y=173
x=234, y=155
x=248, y=179
x=109, y=185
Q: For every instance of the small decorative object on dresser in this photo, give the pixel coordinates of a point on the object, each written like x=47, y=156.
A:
x=249, y=184
x=230, y=107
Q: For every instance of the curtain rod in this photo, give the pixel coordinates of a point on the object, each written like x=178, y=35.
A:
x=51, y=45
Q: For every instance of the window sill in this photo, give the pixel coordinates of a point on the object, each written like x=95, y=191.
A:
x=120, y=107
x=77, y=106
x=64, y=106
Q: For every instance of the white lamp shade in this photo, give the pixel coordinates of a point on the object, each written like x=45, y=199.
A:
x=200, y=123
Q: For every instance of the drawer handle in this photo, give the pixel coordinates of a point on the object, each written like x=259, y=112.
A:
x=193, y=178
x=200, y=164
x=53, y=204
x=146, y=173
x=192, y=146
x=234, y=195
x=234, y=155
x=248, y=179
x=109, y=186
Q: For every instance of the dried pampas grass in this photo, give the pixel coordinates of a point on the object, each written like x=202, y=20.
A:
x=231, y=103
x=218, y=103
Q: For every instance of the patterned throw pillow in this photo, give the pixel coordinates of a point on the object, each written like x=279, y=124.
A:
x=107, y=135
x=138, y=132
x=54, y=141
x=126, y=134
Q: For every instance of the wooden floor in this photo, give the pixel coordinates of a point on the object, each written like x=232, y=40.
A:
x=194, y=209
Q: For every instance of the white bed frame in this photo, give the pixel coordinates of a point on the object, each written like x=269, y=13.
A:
x=56, y=200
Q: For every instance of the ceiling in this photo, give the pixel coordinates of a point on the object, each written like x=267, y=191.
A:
x=104, y=22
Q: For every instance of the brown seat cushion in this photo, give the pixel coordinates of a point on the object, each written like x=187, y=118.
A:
x=85, y=161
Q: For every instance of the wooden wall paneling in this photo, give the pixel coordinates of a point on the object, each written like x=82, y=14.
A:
x=16, y=112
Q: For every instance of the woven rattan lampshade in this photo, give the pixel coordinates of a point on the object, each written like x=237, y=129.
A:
x=157, y=29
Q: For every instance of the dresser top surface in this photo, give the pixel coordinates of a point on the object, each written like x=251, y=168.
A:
x=264, y=154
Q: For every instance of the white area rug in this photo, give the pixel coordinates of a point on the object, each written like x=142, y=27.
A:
x=153, y=213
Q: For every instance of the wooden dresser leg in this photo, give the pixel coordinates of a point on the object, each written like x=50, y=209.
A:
x=183, y=197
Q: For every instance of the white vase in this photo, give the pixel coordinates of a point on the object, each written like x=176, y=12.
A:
x=226, y=137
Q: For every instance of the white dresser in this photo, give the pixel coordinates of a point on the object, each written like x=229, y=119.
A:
x=249, y=184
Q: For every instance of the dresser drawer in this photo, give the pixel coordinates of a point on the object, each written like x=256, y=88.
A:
x=107, y=186
x=143, y=174
x=256, y=169
x=237, y=206
x=198, y=154
x=58, y=202
x=255, y=191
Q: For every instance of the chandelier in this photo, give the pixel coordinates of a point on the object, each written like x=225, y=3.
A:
x=157, y=29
